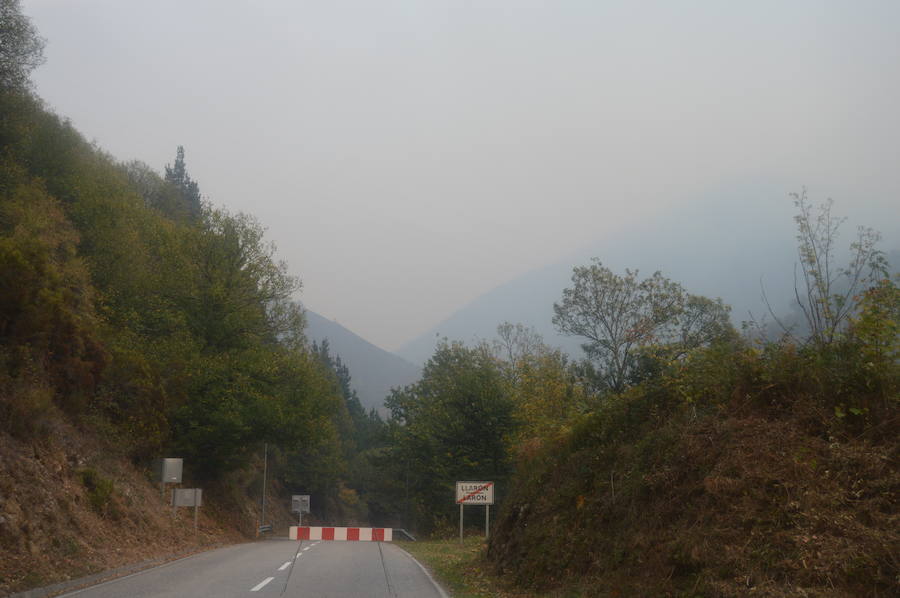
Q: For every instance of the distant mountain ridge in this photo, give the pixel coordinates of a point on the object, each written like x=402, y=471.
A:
x=373, y=370
x=731, y=243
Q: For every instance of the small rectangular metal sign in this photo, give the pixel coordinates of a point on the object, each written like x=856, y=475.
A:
x=184, y=497
x=168, y=471
x=300, y=503
x=475, y=493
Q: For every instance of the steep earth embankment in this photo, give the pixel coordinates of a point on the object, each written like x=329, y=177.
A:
x=749, y=499
x=69, y=508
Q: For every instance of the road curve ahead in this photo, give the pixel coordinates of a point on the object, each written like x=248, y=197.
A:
x=281, y=568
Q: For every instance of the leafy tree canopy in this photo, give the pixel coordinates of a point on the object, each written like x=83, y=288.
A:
x=21, y=48
x=620, y=315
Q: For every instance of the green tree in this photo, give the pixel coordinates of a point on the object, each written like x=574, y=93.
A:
x=21, y=48
x=547, y=392
x=515, y=343
x=548, y=395
x=874, y=336
x=243, y=294
x=454, y=424
x=48, y=323
x=368, y=427
x=827, y=294
x=159, y=193
x=188, y=189
x=622, y=315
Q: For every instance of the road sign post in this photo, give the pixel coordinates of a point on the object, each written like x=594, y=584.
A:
x=262, y=515
x=187, y=497
x=300, y=505
x=168, y=471
x=475, y=493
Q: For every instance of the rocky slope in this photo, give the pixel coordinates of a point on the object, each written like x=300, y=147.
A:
x=69, y=508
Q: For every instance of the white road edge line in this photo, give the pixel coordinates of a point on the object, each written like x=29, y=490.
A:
x=262, y=584
x=284, y=566
x=437, y=587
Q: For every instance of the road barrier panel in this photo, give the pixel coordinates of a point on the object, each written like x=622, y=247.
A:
x=341, y=534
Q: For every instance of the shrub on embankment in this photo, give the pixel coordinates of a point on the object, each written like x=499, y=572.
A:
x=770, y=470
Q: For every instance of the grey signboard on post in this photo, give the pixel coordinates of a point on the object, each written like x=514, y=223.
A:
x=187, y=497
x=168, y=471
x=300, y=503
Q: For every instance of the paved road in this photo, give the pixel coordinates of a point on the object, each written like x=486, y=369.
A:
x=281, y=568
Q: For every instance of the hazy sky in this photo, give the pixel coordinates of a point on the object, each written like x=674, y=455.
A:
x=408, y=156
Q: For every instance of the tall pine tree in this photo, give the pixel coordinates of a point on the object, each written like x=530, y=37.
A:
x=178, y=176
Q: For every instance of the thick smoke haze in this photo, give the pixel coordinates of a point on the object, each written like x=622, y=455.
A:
x=407, y=157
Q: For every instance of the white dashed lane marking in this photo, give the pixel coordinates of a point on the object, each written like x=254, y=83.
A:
x=284, y=566
x=262, y=584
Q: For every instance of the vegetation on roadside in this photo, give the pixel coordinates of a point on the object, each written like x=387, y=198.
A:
x=675, y=457
x=460, y=567
x=736, y=465
x=680, y=458
x=135, y=308
x=99, y=489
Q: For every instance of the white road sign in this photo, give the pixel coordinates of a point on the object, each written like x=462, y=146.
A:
x=300, y=503
x=475, y=493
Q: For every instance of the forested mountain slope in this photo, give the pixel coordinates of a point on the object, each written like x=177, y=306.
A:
x=675, y=455
x=375, y=371
x=137, y=321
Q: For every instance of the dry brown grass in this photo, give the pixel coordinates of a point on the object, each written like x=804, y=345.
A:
x=49, y=529
x=743, y=500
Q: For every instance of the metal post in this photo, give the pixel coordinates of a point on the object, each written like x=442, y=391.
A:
x=460, y=523
x=487, y=521
x=406, y=514
x=262, y=518
x=174, y=507
x=196, y=508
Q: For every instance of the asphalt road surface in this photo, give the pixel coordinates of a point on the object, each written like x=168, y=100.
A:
x=281, y=568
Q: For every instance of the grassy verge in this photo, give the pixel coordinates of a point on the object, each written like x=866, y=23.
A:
x=459, y=568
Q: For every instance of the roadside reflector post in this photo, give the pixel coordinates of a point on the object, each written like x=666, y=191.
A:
x=262, y=516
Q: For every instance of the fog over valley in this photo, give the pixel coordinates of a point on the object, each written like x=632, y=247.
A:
x=407, y=158
x=420, y=298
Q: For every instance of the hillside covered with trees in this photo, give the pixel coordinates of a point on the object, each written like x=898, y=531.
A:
x=676, y=455
x=137, y=321
x=712, y=463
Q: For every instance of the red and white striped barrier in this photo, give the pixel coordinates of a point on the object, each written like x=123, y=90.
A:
x=350, y=534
